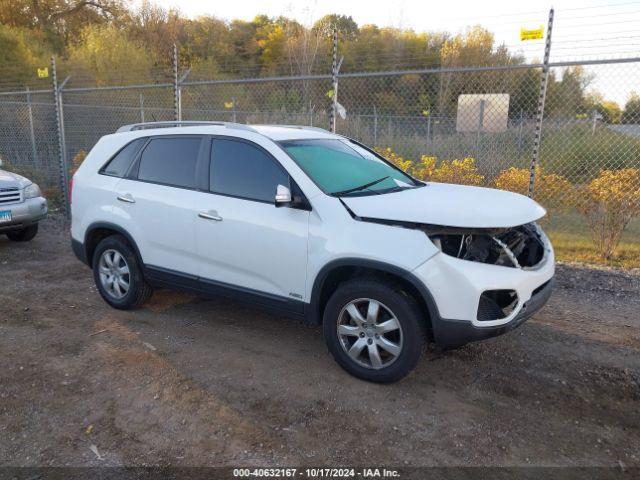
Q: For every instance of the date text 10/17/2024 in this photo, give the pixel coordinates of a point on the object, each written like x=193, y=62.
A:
x=315, y=473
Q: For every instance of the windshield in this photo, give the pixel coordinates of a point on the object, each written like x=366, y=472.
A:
x=341, y=167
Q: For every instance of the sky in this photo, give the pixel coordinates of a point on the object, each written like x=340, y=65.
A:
x=583, y=29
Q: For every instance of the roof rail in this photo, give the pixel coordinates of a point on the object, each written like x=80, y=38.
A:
x=176, y=123
x=299, y=127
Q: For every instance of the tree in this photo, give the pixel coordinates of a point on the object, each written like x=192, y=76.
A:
x=107, y=55
x=610, y=111
x=473, y=48
x=303, y=48
x=21, y=54
x=59, y=20
x=207, y=47
x=347, y=27
x=631, y=112
x=157, y=30
x=272, y=42
x=566, y=98
x=45, y=13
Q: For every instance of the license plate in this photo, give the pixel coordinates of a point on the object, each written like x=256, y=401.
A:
x=5, y=216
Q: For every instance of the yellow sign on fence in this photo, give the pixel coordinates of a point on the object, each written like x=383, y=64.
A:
x=535, y=34
x=43, y=72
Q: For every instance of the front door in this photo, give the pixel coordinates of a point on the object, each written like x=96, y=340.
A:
x=243, y=240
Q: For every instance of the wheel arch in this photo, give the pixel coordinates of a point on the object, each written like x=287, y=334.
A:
x=98, y=231
x=337, y=271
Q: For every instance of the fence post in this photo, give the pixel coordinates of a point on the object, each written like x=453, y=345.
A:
x=62, y=148
x=180, y=81
x=177, y=113
x=544, y=78
x=142, y=107
x=520, y=133
x=375, y=126
x=34, y=153
x=479, y=129
x=233, y=103
x=334, y=79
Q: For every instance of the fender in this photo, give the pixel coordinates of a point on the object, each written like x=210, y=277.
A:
x=313, y=315
x=115, y=228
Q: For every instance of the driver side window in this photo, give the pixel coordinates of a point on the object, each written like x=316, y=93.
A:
x=242, y=170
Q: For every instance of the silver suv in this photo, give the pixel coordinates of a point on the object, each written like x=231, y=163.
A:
x=22, y=206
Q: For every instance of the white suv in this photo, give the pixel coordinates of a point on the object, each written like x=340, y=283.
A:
x=313, y=224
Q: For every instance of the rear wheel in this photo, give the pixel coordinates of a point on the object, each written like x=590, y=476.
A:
x=374, y=330
x=24, y=235
x=118, y=275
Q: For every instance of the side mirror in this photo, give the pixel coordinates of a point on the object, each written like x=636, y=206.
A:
x=283, y=196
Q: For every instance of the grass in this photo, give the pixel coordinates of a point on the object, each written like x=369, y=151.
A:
x=572, y=243
x=577, y=153
x=573, y=247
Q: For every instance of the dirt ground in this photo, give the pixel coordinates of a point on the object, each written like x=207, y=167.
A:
x=188, y=381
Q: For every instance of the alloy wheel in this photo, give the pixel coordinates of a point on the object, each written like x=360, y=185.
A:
x=370, y=333
x=114, y=273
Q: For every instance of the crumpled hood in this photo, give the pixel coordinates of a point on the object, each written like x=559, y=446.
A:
x=12, y=180
x=449, y=205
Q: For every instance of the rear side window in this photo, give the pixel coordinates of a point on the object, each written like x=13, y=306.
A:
x=243, y=170
x=170, y=161
x=119, y=165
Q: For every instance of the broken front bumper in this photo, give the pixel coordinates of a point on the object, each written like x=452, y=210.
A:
x=454, y=333
x=456, y=287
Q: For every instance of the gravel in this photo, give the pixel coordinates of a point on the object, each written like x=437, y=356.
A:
x=188, y=381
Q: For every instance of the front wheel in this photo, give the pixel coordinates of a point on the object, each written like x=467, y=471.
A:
x=374, y=330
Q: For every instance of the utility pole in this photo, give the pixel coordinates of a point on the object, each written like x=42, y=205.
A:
x=544, y=79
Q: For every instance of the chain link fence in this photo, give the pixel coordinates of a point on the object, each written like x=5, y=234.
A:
x=464, y=125
x=28, y=136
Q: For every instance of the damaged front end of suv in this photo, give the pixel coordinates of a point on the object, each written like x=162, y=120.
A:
x=522, y=247
x=490, y=265
x=518, y=247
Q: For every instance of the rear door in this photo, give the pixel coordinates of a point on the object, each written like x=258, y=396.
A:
x=243, y=240
x=158, y=197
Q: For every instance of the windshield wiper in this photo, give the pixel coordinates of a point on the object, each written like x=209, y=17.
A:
x=399, y=188
x=361, y=187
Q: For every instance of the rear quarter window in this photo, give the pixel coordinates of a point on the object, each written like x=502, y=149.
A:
x=121, y=161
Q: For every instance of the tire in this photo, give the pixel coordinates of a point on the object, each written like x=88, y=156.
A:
x=115, y=250
x=407, y=341
x=25, y=235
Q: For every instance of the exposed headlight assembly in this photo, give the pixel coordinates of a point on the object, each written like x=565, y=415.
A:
x=32, y=191
x=518, y=247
